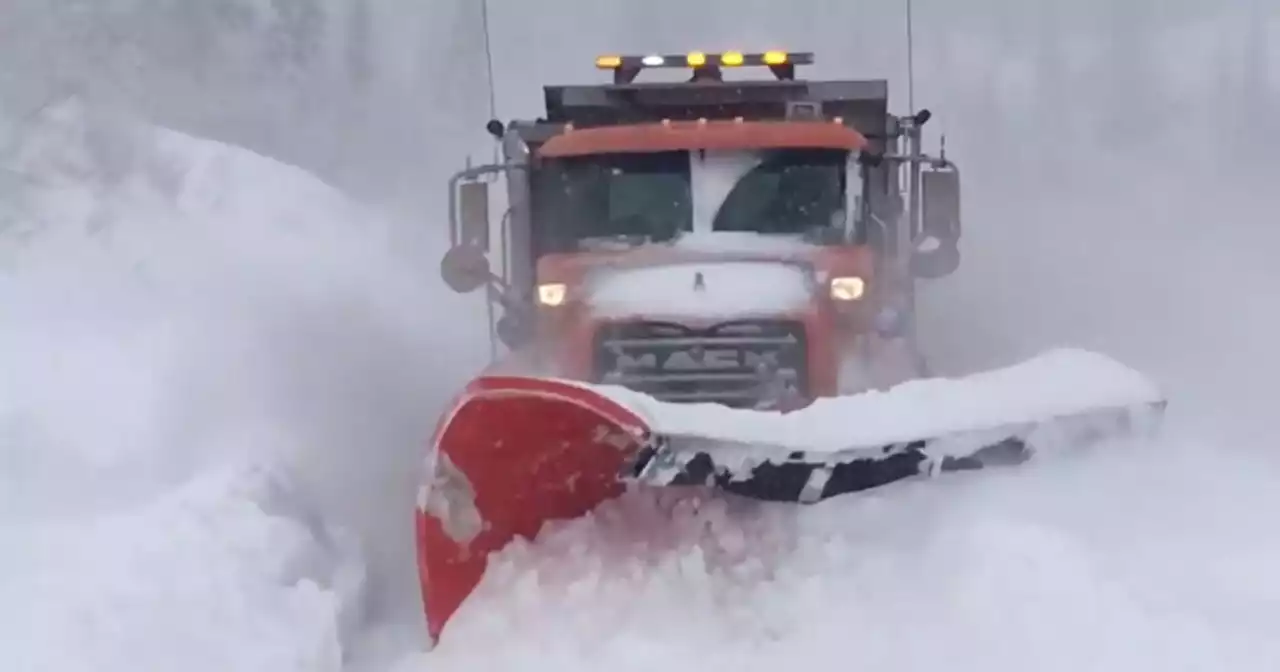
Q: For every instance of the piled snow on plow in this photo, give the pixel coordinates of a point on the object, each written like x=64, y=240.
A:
x=1059, y=399
x=1057, y=384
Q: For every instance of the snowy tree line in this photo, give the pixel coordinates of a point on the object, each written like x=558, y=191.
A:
x=388, y=95
x=349, y=89
x=1047, y=89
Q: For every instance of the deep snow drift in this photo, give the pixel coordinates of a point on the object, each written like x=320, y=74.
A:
x=216, y=373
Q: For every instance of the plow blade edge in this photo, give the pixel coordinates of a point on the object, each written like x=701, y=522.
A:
x=512, y=454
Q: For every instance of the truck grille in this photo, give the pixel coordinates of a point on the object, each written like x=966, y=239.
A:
x=739, y=363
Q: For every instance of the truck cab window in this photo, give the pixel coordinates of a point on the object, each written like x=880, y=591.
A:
x=788, y=192
x=613, y=198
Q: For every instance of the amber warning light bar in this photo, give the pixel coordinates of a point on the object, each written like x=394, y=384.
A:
x=782, y=63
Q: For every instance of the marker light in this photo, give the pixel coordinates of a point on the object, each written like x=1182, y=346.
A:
x=775, y=57
x=848, y=288
x=552, y=294
x=626, y=67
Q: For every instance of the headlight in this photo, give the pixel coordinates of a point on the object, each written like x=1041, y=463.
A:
x=847, y=289
x=552, y=293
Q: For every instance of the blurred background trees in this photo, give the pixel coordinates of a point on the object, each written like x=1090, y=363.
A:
x=384, y=97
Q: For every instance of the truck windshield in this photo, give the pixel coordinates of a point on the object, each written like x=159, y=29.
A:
x=604, y=201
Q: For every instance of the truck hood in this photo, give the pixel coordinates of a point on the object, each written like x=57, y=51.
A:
x=699, y=289
x=716, y=246
x=702, y=276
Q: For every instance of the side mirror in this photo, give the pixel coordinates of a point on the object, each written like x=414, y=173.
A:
x=940, y=204
x=933, y=259
x=495, y=128
x=465, y=269
x=937, y=252
x=473, y=213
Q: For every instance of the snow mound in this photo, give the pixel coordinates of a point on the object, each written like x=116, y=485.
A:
x=1057, y=383
x=221, y=573
x=199, y=343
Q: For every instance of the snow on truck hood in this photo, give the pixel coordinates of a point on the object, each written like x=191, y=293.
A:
x=711, y=290
x=742, y=242
x=759, y=275
x=1053, y=384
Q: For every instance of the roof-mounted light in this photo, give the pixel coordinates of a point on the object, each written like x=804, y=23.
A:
x=782, y=63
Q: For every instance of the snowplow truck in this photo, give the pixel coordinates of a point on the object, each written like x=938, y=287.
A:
x=710, y=283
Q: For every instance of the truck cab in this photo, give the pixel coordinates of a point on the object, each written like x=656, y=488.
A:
x=752, y=243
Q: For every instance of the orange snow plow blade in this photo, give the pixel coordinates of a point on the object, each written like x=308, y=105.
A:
x=512, y=454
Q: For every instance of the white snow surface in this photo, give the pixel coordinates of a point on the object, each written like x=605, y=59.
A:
x=1055, y=384
x=206, y=364
x=727, y=289
x=220, y=572
x=743, y=242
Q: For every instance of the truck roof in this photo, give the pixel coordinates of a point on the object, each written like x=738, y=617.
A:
x=604, y=104
x=862, y=105
x=703, y=134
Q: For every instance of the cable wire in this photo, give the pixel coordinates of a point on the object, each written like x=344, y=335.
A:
x=910, y=62
x=488, y=55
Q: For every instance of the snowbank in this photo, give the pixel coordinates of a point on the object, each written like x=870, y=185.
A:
x=221, y=573
x=217, y=373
